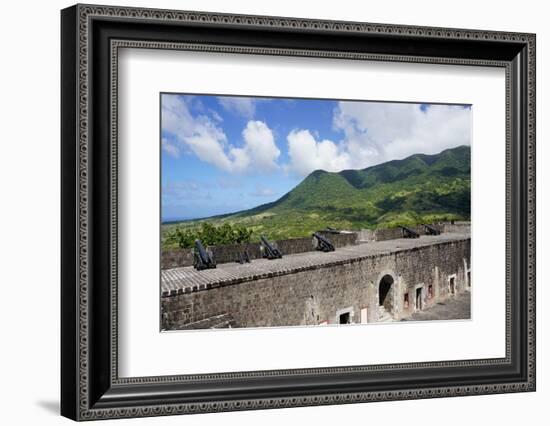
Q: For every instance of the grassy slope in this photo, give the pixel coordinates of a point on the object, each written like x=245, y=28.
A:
x=420, y=188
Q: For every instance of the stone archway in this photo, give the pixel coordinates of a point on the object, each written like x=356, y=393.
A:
x=385, y=293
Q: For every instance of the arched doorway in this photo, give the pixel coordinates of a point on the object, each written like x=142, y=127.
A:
x=384, y=292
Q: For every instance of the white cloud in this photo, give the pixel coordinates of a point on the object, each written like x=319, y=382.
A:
x=199, y=133
x=375, y=132
x=203, y=136
x=217, y=117
x=306, y=154
x=372, y=133
x=260, y=145
x=245, y=107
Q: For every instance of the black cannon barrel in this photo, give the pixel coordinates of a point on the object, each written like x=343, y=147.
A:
x=323, y=244
x=243, y=257
x=202, y=258
x=431, y=230
x=201, y=250
x=409, y=233
x=270, y=251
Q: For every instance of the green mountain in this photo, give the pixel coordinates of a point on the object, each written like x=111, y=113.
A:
x=419, y=188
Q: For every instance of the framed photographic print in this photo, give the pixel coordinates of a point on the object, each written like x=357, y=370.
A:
x=263, y=212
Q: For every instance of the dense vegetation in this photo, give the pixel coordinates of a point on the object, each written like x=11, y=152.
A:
x=209, y=235
x=418, y=189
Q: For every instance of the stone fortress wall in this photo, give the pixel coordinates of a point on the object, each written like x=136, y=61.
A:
x=229, y=253
x=366, y=282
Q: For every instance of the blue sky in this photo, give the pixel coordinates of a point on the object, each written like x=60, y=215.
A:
x=224, y=154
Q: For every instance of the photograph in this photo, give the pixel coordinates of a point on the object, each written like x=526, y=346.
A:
x=273, y=207
x=281, y=211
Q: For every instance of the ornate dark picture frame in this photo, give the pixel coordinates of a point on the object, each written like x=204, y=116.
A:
x=90, y=385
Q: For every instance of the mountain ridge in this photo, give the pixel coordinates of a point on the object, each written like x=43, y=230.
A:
x=449, y=162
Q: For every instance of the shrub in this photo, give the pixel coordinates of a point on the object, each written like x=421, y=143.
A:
x=211, y=235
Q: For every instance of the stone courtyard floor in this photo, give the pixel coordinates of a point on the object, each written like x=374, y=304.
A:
x=456, y=308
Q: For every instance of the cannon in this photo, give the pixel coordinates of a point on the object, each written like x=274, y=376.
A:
x=202, y=258
x=243, y=257
x=321, y=243
x=409, y=233
x=270, y=251
x=431, y=230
